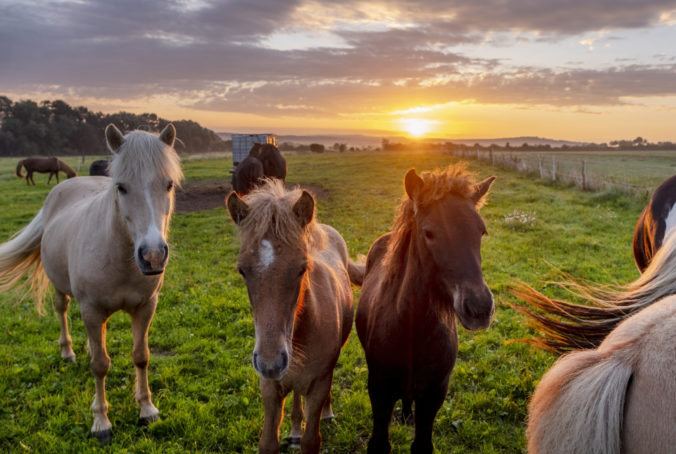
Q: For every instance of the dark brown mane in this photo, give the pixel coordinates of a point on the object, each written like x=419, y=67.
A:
x=454, y=179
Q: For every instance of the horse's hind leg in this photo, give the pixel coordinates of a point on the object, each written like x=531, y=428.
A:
x=95, y=322
x=140, y=322
x=50, y=177
x=61, y=302
x=296, y=421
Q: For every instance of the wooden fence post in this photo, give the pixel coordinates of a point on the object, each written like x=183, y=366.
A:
x=553, y=168
x=584, y=174
x=542, y=171
x=492, y=158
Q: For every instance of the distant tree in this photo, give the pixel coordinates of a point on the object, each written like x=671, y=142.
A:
x=317, y=148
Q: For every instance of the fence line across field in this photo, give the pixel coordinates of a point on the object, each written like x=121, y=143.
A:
x=631, y=173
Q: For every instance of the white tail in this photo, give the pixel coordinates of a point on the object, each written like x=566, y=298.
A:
x=20, y=256
x=578, y=405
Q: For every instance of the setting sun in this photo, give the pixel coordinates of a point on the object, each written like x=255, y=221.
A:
x=416, y=127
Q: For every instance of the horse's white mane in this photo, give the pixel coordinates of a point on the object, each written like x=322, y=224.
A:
x=143, y=154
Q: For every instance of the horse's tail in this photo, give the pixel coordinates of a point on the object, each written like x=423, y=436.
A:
x=578, y=405
x=20, y=256
x=356, y=270
x=19, y=173
x=567, y=325
x=70, y=172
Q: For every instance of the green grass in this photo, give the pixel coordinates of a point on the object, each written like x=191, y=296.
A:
x=202, y=335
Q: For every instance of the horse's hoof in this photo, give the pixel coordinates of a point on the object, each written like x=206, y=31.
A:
x=104, y=436
x=146, y=421
x=328, y=418
x=294, y=442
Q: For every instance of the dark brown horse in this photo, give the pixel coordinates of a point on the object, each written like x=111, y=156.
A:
x=100, y=168
x=274, y=164
x=248, y=175
x=51, y=165
x=418, y=278
x=657, y=218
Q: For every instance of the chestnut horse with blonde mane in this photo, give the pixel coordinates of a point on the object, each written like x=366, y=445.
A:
x=616, y=394
x=419, y=277
x=51, y=165
x=298, y=274
x=104, y=241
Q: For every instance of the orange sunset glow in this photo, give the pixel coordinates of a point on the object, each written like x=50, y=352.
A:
x=576, y=71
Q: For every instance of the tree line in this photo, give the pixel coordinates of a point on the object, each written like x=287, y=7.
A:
x=55, y=128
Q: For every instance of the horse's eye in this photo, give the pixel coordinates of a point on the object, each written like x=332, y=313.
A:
x=303, y=269
x=170, y=186
x=121, y=189
x=428, y=234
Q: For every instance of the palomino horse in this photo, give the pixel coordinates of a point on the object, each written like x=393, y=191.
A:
x=103, y=241
x=52, y=165
x=657, y=218
x=418, y=278
x=619, y=397
x=296, y=272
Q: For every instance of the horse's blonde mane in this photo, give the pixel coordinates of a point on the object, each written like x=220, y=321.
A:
x=271, y=211
x=454, y=179
x=143, y=155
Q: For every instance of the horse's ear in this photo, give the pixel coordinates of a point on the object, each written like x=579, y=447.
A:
x=304, y=208
x=413, y=183
x=237, y=207
x=168, y=134
x=481, y=189
x=114, y=138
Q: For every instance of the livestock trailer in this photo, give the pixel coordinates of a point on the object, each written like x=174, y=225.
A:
x=242, y=143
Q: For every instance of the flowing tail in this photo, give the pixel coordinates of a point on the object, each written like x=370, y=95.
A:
x=356, y=270
x=578, y=405
x=20, y=256
x=19, y=173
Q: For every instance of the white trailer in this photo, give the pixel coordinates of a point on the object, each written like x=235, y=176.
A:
x=242, y=143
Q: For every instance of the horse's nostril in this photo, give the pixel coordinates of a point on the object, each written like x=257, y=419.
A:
x=285, y=359
x=255, y=360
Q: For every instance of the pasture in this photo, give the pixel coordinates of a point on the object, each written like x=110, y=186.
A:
x=202, y=336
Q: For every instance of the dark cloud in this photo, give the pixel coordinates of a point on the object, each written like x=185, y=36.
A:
x=211, y=53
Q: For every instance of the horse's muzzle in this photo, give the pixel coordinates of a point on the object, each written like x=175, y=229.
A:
x=152, y=261
x=273, y=370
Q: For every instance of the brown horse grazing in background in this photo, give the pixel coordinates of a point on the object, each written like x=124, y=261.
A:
x=418, y=278
x=51, y=165
x=104, y=242
x=297, y=275
x=619, y=397
x=656, y=220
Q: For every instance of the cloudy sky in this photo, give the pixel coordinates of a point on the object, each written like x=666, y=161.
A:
x=567, y=69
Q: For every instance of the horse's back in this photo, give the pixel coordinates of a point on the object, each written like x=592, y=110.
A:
x=73, y=192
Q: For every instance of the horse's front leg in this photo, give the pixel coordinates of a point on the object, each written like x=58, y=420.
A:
x=140, y=322
x=316, y=400
x=296, y=420
x=273, y=410
x=50, y=177
x=95, y=324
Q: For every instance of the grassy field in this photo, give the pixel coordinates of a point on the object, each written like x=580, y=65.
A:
x=202, y=336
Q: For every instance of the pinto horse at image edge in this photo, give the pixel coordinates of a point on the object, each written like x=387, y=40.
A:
x=418, y=278
x=297, y=273
x=104, y=242
x=615, y=393
x=263, y=161
x=656, y=220
x=51, y=165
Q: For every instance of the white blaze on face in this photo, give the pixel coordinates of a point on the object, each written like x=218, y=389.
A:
x=670, y=222
x=266, y=254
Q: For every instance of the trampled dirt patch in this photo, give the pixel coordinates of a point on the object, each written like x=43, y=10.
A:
x=207, y=196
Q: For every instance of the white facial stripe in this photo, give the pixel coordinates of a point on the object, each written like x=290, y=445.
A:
x=670, y=223
x=266, y=254
x=154, y=234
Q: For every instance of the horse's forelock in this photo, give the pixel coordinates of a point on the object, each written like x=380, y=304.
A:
x=271, y=210
x=142, y=155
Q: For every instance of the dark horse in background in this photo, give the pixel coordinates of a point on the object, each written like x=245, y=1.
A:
x=264, y=161
x=418, y=278
x=657, y=218
x=51, y=165
x=100, y=168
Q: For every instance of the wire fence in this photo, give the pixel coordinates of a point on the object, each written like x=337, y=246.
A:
x=636, y=173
